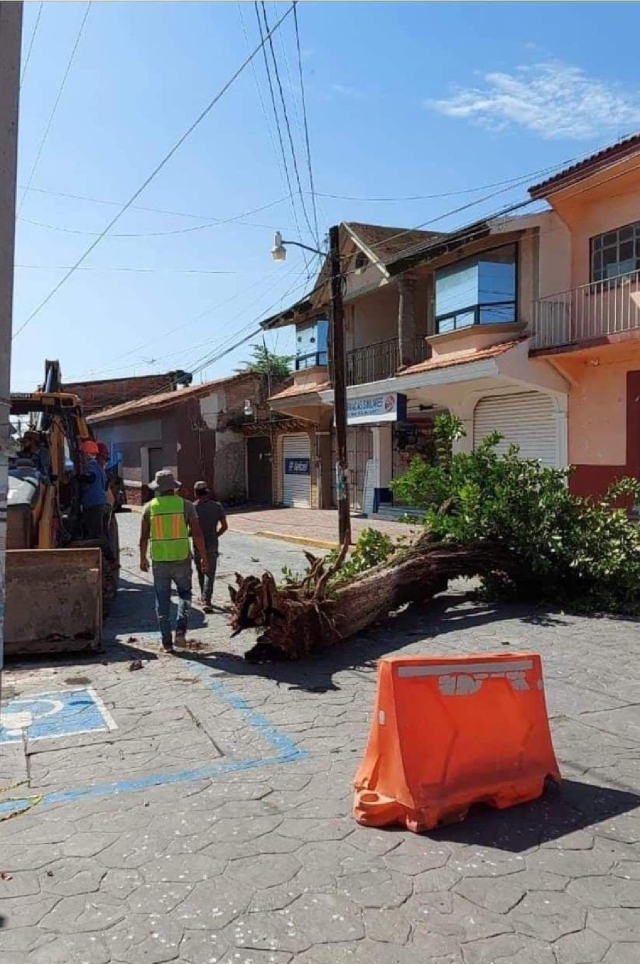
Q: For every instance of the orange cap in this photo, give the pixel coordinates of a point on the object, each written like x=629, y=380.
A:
x=89, y=447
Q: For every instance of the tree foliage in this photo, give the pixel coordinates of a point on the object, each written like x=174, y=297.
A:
x=268, y=364
x=565, y=549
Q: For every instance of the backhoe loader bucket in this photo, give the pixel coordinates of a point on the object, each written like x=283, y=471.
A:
x=53, y=600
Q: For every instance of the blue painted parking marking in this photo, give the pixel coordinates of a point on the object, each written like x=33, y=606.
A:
x=45, y=716
x=285, y=750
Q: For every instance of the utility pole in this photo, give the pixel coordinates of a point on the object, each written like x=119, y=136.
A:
x=279, y=253
x=339, y=385
x=10, y=39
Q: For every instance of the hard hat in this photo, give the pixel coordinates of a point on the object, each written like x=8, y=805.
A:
x=89, y=447
x=103, y=449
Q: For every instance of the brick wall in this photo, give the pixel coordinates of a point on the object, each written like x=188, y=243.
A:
x=98, y=395
x=196, y=447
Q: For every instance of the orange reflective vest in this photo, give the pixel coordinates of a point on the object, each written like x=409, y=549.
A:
x=169, y=532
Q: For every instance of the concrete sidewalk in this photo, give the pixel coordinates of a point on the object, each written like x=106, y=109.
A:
x=198, y=810
x=312, y=524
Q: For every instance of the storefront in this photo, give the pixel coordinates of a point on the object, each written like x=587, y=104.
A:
x=296, y=471
x=370, y=440
x=525, y=419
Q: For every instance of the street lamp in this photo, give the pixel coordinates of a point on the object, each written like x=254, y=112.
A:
x=279, y=253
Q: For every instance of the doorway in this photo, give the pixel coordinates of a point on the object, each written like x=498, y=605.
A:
x=259, y=474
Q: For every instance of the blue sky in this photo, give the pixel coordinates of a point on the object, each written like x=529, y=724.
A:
x=403, y=99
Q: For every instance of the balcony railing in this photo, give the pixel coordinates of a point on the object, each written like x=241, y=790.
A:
x=381, y=360
x=591, y=311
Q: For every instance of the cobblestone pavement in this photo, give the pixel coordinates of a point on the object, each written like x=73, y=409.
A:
x=213, y=826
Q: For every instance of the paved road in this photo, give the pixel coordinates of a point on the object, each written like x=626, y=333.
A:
x=213, y=825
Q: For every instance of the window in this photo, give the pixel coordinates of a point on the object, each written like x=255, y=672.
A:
x=615, y=253
x=477, y=291
x=361, y=261
x=311, y=345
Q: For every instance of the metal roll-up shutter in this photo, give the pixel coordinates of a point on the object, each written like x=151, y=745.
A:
x=525, y=419
x=296, y=471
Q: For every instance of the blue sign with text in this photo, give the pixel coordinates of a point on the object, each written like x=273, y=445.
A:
x=297, y=466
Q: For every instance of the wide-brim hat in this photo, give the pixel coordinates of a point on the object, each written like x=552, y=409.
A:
x=165, y=481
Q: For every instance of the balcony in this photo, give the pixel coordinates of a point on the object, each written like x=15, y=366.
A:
x=591, y=311
x=381, y=360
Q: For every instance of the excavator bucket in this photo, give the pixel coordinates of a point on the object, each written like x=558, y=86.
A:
x=53, y=600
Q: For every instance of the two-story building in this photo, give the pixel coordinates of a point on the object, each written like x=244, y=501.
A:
x=472, y=322
x=433, y=322
x=587, y=318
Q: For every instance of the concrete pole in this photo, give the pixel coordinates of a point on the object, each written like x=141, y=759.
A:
x=10, y=39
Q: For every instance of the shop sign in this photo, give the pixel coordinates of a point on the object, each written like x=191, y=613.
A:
x=372, y=409
x=297, y=466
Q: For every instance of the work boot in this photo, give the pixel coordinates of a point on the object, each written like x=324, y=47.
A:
x=180, y=638
x=167, y=645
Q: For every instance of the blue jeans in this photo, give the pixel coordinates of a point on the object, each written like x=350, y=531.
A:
x=164, y=574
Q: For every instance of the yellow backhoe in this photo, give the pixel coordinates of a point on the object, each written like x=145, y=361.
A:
x=57, y=588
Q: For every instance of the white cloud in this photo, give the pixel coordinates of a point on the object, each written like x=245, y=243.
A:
x=345, y=91
x=552, y=99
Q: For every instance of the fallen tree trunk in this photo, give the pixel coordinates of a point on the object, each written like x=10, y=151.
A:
x=303, y=617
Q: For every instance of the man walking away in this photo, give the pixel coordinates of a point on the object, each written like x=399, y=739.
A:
x=166, y=522
x=213, y=523
x=94, y=499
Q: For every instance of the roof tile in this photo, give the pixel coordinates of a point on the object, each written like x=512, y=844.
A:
x=462, y=357
x=589, y=165
x=293, y=390
x=163, y=400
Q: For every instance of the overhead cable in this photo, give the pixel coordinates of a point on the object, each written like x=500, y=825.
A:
x=286, y=119
x=33, y=37
x=150, y=178
x=276, y=115
x=306, y=128
x=54, y=109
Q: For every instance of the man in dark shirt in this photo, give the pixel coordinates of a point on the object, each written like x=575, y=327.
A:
x=94, y=499
x=213, y=524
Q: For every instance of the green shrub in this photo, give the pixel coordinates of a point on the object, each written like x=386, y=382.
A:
x=568, y=549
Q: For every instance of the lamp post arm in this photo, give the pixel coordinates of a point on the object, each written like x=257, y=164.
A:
x=298, y=244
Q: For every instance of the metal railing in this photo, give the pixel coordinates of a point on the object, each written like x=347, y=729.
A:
x=373, y=363
x=590, y=311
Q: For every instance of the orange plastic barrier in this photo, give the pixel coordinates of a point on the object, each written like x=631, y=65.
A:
x=452, y=731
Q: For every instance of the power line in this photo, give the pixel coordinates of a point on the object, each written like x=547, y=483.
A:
x=481, y=200
x=515, y=181
x=33, y=37
x=56, y=103
x=223, y=349
x=150, y=178
x=277, y=120
x=286, y=119
x=141, y=207
x=98, y=267
x=210, y=360
x=191, y=321
x=306, y=127
x=260, y=96
x=160, y=234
